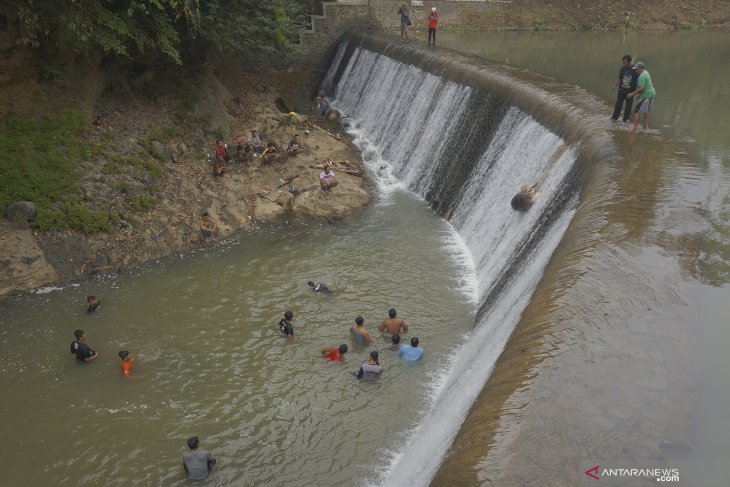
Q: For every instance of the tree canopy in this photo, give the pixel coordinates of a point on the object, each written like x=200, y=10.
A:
x=130, y=27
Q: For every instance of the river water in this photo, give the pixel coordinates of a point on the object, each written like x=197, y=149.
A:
x=274, y=414
x=215, y=366
x=618, y=361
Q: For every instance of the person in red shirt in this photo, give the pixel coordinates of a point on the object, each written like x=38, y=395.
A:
x=334, y=354
x=127, y=365
x=221, y=156
x=433, y=24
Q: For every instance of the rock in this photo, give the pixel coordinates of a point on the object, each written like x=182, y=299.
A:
x=86, y=189
x=148, y=181
x=25, y=209
x=101, y=260
x=159, y=151
x=28, y=260
x=123, y=224
x=333, y=115
x=93, y=177
x=130, y=146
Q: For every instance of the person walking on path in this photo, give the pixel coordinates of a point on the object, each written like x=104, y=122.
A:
x=626, y=83
x=646, y=92
x=405, y=21
x=433, y=24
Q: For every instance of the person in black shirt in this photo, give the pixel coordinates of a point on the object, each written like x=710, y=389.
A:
x=320, y=288
x=81, y=349
x=285, y=325
x=626, y=83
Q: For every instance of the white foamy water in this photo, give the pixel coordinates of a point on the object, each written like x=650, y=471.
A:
x=404, y=119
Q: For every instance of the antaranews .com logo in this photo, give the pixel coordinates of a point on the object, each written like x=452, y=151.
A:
x=660, y=474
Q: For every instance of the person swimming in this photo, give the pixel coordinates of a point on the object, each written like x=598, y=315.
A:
x=321, y=288
x=359, y=333
x=524, y=200
x=126, y=364
x=93, y=302
x=370, y=369
x=334, y=354
x=285, y=324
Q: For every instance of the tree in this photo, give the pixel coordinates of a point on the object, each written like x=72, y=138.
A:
x=122, y=27
x=247, y=25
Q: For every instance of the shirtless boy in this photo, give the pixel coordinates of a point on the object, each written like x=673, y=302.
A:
x=393, y=325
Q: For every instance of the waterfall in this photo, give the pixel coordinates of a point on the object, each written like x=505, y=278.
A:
x=466, y=152
x=329, y=78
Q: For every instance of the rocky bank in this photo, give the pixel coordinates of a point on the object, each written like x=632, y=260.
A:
x=249, y=192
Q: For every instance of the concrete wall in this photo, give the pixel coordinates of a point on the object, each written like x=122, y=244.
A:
x=451, y=12
x=317, y=46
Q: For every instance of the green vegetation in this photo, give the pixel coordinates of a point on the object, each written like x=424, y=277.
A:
x=126, y=28
x=39, y=159
x=78, y=216
x=142, y=202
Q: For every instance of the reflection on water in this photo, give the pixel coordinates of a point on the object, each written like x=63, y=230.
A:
x=270, y=409
x=689, y=70
x=614, y=362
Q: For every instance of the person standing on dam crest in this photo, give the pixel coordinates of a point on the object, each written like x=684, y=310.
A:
x=646, y=92
x=626, y=83
x=433, y=24
x=405, y=21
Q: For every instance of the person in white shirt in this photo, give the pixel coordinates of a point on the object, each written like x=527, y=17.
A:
x=327, y=179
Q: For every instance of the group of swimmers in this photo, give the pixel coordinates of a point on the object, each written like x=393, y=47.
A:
x=371, y=369
x=198, y=463
x=84, y=353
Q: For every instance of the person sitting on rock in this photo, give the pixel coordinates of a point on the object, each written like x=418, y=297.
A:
x=255, y=145
x=295, y=146
x=242, y=154
x=524, y=200
x=221, y=156
x=324, y=105
x=270, y=154
x=327, y=178
x=208, y=228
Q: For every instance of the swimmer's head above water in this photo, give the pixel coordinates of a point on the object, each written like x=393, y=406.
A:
x=359, y=320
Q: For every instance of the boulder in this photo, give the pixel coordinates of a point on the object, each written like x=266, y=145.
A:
x=25, y=209
x=130, y=146
x=159, y=151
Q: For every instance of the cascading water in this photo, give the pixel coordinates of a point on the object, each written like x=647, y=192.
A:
x=467, y=153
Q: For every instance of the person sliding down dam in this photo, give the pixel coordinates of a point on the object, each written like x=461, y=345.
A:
x=524, y=200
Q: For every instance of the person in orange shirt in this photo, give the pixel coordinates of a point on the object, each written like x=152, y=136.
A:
x=433, y=24
x=334, y=354
x=127, y=365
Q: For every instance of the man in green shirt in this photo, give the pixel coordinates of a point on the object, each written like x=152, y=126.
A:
x=645, y=90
